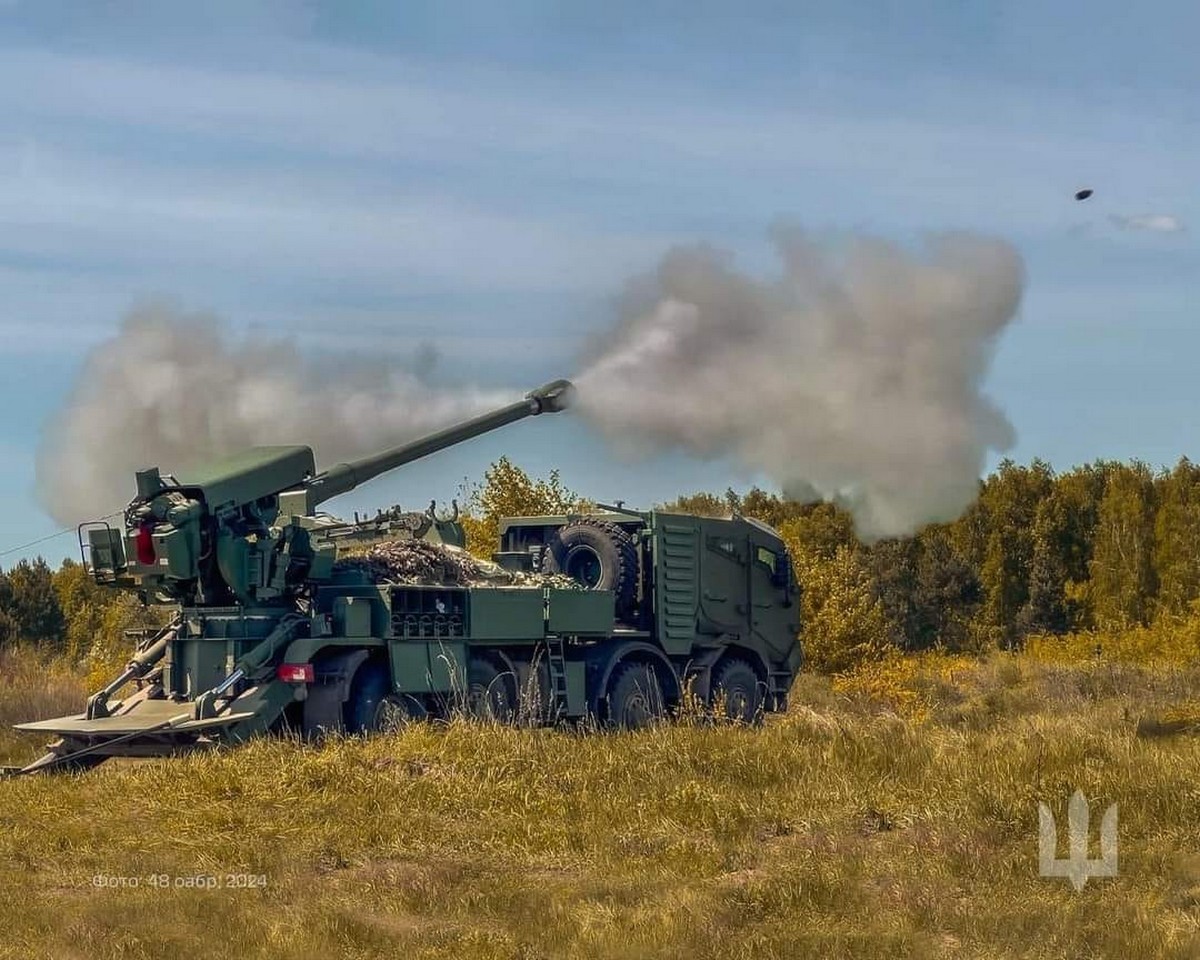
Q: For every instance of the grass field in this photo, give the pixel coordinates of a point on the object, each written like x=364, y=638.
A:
x=891, y=814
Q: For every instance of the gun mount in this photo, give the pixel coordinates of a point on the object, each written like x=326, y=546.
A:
x=246, y=529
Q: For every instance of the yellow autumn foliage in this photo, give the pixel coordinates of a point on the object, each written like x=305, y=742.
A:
x=1167, y=642
x=843, y=621
x=903, y=683
x=508, y=491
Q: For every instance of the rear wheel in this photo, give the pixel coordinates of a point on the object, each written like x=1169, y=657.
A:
x=736, y=692
x=491, y=694
x=635, y=696
x=396, y=710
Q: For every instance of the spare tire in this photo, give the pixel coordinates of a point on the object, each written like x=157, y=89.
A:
x=598, y=555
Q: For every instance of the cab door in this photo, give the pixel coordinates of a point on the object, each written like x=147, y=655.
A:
x=774, y=613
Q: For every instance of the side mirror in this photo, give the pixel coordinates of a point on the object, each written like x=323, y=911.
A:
x=104, y=557
x=784, y=578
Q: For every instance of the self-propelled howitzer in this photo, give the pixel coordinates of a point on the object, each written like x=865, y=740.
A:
x=614, y=614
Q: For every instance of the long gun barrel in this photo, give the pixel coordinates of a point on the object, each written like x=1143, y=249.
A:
x=339, y=479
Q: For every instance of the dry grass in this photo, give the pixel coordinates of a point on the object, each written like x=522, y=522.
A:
x=892, y=817
x=33, y=687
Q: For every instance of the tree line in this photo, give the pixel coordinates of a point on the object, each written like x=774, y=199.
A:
x=1106, y=546
x=63, y=611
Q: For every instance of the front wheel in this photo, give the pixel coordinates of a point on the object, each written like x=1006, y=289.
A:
x=737, y=693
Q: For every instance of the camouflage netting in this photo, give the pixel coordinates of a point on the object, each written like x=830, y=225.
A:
x=422, y=562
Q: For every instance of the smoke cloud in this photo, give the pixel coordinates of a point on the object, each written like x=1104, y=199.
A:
x=174, y=390
x=857, y=373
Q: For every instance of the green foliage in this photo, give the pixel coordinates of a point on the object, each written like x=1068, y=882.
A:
x=8, y=624
x=29, y=607
x=819, y=530
x=1177, y=538
x=97, y=618
x=63, y=613
x=1122, y=568
x=1079, y=494
x=82, y=603
x=703, y=504
x=757, y=503
x=778, y=511
x=1046, y=608
x=930, y=593
x=1010, y=500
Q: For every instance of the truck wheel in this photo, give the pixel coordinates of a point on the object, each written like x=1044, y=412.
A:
x=396, y=710
x=597, y=554
x=736, y=692
x=366, y=708
x=635, y=696
x=490, y=693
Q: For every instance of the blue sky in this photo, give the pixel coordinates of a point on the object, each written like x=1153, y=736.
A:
x=482, y=178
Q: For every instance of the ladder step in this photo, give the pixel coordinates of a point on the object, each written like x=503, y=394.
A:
x=556, y=661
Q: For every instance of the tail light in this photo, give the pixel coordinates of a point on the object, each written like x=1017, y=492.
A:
x=295, y=672
x=144, y=542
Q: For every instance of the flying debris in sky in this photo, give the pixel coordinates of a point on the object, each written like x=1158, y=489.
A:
x=1083, y=194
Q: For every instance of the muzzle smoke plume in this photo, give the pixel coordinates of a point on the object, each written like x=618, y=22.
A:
x=857, y=374
x=173, y=390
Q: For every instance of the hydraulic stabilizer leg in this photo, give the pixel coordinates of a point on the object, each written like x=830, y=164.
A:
x=138, y=667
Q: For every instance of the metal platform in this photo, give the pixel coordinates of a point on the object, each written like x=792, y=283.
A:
x=147, y=716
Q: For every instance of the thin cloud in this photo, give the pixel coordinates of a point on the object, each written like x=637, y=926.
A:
x=143, y=216
x=642, y=135
x=1151, y=222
